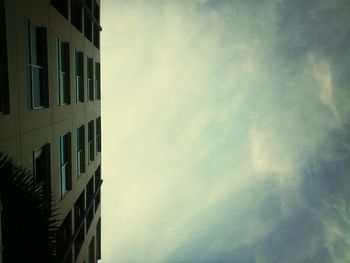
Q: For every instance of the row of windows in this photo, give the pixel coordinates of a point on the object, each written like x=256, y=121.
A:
x=84, y=16
x=37, y=71
x=40, y=157
x=83, y=214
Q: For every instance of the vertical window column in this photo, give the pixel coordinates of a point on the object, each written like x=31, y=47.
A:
x=77, y=14
x=87, y=20
x=64, y=236
x=79, y=223
x=65, y=164
x=92, y=251
x=98, y=80
x=63, y=72
x=98, y=134
x=36, y=66
x=80, y=150
x=90, y=202
x=98, y=239
x=40, y=160
x=90, y=78
x=91, y=145
x=79, y=76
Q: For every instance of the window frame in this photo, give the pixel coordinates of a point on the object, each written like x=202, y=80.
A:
x=41, y=152
x=98, y=134
x=79, y=66
x=36, y=61
x=63, y=72
x=81, y=150
x=90, y=79
x=91, y=141
x=98, y=80
x=64, y=164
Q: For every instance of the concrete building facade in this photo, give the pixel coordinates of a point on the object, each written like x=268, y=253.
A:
x=50, y=110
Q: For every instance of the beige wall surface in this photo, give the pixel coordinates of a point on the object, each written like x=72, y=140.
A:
x=24, y=129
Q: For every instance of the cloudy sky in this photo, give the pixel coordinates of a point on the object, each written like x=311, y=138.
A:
x=226, y=131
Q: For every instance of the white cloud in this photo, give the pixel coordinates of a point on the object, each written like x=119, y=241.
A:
x=198, y=115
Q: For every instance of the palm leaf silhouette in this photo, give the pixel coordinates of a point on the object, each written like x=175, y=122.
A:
x=28, y=218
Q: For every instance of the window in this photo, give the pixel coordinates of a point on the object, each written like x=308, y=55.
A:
x=90, y=78
x=36, y=66
x=91, y=146
x=96, y=36
x=64, y=236
x=87, y=25
x=98, y=80
x=98, y=239
x=90, y=202
x=92, y=251
x=79, y=76
x=65, y=164
x=4, y=90
x=63, y=72
x=77, y=14
x=98, y=134
x=96, y=11
x=40, y=160
x=98, y=183
x=79, y=226
x=96, y=15
x=61, y=6
x=80, y=150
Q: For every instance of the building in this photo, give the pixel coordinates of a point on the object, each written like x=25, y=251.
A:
x=50, y=105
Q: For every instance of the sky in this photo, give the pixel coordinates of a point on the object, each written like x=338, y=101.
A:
x=226, y=131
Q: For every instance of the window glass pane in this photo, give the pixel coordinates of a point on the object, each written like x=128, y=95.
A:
x=79, y=76
x=65, y=161
x=63, y=72
x=90, y=70
x=36, y=67
x=36, y=86
x=41, y=164
x=33, y=44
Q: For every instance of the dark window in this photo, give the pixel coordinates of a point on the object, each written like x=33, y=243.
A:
x=98, y=239
x=96, y=36
x=61, y=6
x=98, y=80
x=63, y=72
x=98, y=183
x=77, y=14
x=79, y=226
x=90, y=78
x=98, y=134
x=87, y=25
x=80, y=150
x=96, y=11
x=65, y=163
x=36, y=66
x=90, y=202
x=92, y=251
x=41, y=164
x=79, y=76
x=88, y=4
x=64, y=236
x=91, y=145
x=4, y=90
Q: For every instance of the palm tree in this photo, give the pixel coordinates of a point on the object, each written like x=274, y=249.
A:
x=28, y=218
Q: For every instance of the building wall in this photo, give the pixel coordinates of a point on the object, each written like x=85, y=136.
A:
x=24, y=129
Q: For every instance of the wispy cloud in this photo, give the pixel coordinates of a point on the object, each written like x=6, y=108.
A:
x=226, y=131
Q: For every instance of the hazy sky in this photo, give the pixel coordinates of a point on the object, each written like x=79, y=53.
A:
x=226, y=131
